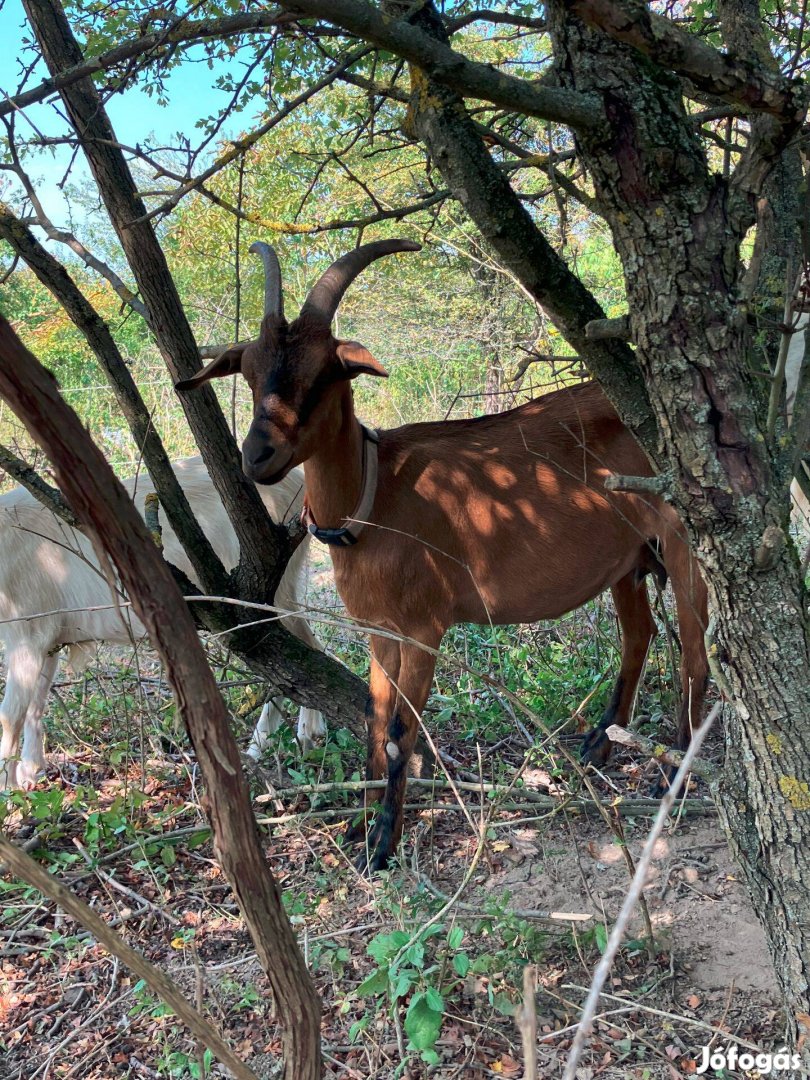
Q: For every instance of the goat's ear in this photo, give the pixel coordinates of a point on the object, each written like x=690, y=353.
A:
x=230, y=363
x=357, y=360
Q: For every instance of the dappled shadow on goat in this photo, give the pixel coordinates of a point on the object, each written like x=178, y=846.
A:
x=500, y=519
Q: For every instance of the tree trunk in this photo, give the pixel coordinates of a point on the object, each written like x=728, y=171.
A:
x=106, y=511
x=677, y=229
x=263, y=546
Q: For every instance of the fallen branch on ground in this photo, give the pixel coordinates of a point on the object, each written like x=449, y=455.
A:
x=658, y=752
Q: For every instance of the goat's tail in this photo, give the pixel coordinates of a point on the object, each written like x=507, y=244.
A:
x=650, y=562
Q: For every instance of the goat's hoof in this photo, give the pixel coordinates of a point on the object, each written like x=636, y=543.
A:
x=355, y=832
x=596, y=747
x=663, y=781
x=368, y=863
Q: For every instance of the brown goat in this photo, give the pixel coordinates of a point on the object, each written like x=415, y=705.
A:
x=501, y=519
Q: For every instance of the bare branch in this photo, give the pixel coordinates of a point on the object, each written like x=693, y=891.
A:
x=239, y=146
x=186, y=31
x=103, y=506
x=641, y=485
x=24, y=867
x=63, y=236
x=503, y=18
x=30, y=479
x=452, y=68
x=608, y=329
x=661, y=753
x=542, y=358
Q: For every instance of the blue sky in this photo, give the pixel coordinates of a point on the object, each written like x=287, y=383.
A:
x=136, y=116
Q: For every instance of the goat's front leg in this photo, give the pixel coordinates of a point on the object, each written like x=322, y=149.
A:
x=396, y=742
x=380, y=707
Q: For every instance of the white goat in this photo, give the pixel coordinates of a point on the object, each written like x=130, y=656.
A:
x=53, y=594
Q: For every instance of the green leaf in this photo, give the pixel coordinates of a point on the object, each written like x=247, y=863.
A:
x=403, y=984
x=455, y=937
x=376, y=983
x=416, y=954
x=504, y=1005
x=434, y=999
x=168, y=855
x=422, y=1023
x=198, y=838
x=600, y=935
x=461, y=964
x=385, y=946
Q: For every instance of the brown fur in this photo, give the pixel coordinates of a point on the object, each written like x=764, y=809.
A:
x=502, y=519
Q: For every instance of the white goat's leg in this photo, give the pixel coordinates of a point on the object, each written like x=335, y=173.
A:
x=32, y=762
x=270, y=721
x=311, y=727
x=23, y=665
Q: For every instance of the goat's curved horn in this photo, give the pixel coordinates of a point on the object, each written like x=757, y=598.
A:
x=273, y=297
x=326, y=294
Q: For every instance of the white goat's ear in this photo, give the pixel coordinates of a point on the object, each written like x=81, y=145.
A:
x=357, y=360
x=230, y=363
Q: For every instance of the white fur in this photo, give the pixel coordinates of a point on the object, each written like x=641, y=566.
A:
x=50, y=571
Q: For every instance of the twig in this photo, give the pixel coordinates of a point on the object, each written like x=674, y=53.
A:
x=633, y=893
x=49, y=496
x=239, y=146
x=608, y=329
x=526, y=1020
x=641, y=485
x=370, y=785
x=158, y=981
x=629, y=806
x=639, y=1006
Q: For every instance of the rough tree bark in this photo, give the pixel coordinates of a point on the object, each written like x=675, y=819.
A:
x=106, y=511
x=677, y=228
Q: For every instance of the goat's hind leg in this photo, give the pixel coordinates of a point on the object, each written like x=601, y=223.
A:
x=691, y=603
x=637, y=632
x=22, y=707
x=32, y=762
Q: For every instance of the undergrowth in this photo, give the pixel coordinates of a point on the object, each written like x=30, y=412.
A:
x=411, y=978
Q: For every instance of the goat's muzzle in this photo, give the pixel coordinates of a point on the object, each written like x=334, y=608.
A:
x=261, y=462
